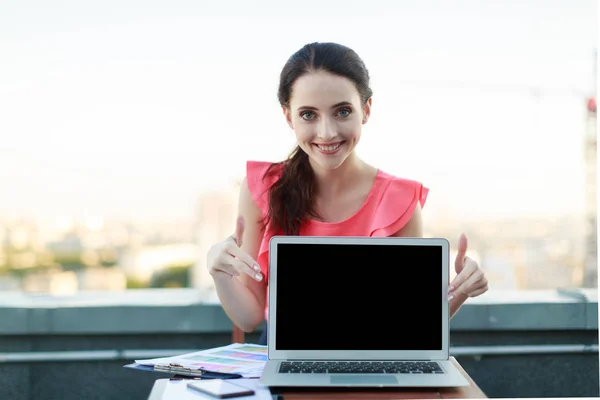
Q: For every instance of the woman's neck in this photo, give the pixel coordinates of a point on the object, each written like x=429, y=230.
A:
x=332, y=182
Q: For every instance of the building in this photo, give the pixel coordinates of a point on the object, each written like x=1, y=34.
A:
x=51, y=281
x=142, y=262
x=590, y=269
x=216, y=219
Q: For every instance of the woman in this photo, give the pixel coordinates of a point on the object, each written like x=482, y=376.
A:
x=323, y=188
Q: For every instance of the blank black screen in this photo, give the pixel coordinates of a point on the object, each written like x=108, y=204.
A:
x=359, y=297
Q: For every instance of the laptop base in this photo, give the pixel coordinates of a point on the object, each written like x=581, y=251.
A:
x=450, y=378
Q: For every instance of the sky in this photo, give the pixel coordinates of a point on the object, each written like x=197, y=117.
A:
x=131, y=110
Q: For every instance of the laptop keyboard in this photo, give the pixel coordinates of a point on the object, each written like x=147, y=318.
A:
x=360, y=367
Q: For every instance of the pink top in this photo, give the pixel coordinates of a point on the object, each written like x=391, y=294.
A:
x=388, y=207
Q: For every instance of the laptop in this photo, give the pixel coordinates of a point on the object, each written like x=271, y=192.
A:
x=359, y=312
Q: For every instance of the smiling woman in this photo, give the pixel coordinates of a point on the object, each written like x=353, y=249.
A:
x=326, y=107
x=323, y=188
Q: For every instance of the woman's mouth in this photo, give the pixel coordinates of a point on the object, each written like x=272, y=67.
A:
x=329, y=148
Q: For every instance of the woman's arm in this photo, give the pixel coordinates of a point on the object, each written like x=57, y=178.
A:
x=242, y=297
x=414, y=228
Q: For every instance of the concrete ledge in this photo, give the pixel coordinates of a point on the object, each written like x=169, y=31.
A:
x=592, y=316
x=572, y=309
x=130, y=355
x=75, y=347
x=540, y=316
x=115, y=319
x=188, y=311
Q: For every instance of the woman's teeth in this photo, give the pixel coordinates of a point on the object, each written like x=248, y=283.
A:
x=329, y=148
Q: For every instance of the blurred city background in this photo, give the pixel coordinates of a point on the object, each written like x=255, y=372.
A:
x=125, y=127
x=125, y=134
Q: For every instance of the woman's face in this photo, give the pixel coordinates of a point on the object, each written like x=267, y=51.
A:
x=326, y=114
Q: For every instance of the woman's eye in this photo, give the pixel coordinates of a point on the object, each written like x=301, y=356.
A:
x=344, y=112
x=307, y=115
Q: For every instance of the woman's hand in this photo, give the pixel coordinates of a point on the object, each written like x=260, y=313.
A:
x=470, y=280
x=227, y=259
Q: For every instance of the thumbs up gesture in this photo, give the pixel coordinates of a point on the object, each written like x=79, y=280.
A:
x=227, y=259
x=470, y=280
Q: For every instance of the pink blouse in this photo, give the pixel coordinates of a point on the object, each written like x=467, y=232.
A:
x=388, y=207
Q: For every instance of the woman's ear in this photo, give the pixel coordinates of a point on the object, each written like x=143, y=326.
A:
x=288, y=116
x=367, y=110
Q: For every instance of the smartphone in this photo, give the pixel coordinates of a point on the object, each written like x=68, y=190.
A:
x=219, y=388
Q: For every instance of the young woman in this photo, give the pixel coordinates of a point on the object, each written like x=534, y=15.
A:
x=323, y=188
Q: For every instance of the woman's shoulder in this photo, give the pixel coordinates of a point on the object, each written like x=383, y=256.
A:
x=260, y=176
x=398, y=181
x=261, y=168
x=397, y=200
x=407, y=189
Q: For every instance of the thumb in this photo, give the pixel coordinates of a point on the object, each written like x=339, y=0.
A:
x=461, y=254
x=239, y=230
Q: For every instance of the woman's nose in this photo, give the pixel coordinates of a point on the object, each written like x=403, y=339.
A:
x=326, y=130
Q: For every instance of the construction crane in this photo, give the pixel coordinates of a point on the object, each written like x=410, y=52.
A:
x=590, y=267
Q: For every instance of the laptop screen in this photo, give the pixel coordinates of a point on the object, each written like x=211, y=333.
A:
x=359, y=297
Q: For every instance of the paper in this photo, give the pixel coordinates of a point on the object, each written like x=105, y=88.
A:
x=178, y=390
x=245, y=359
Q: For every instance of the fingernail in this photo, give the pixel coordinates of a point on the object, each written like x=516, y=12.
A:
x=450, y=288
x=256, y=268
x=259, y=277
x=450, y=297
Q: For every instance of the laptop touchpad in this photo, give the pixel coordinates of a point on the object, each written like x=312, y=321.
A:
x=363, y=379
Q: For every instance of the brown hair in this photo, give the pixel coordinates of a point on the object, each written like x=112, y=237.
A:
x=291, y=197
